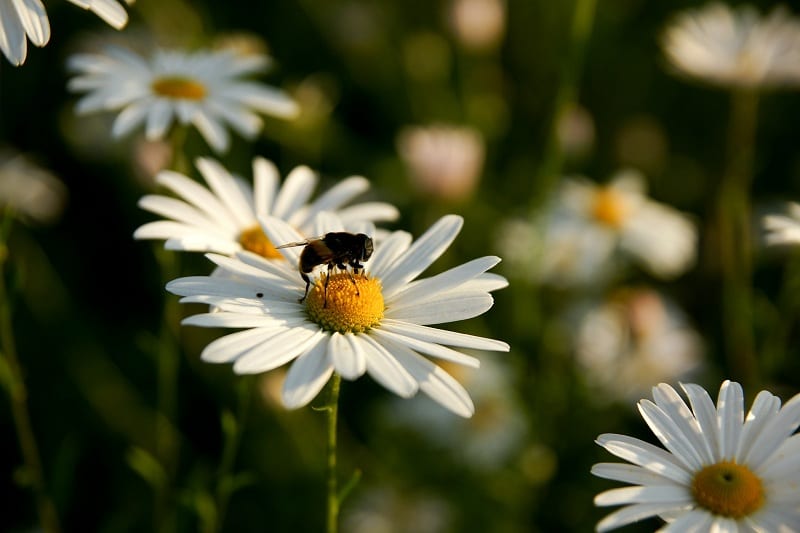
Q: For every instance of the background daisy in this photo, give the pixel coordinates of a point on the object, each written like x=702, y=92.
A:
x=735, y=46
x=591, y=226
x=383, y=330
x=721, y=470
x=224, y=217
x=205, y=89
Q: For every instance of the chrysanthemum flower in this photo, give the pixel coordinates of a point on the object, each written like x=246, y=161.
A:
x=376, y=322
x=589, y=224
x=224, y=217
x=735, y=48
x=721, y=470
x=19, y=20
x=204, y=89
x=783, y=228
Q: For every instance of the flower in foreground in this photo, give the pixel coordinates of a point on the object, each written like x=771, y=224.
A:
x=735, y=47
x=20, y=21
x=224, y=217
x=590, y=225
x=204, y=89
x=721, y=471
x=377, y=322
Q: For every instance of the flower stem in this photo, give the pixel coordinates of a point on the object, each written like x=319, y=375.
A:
x=332, y=411
x=13, y=381
x=735, y=240
x=566, y=96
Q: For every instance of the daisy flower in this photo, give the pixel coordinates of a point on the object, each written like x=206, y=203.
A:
x=224, y=217
x=375, y=322
x=204, y=89
x=21, y=19
x=721, y=470
x=444, y=161
x=631, y=339
x=32, y=192
x=739, y=48
x=783, y=228
x=590, y=225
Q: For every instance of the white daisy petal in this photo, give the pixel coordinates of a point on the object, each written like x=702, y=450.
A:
x=435, y=382
x=295, y=192
x=706, y=416
x=388, y=252
x=171, y=208
x=775, y=431
x=212, y=130
x=231, y=320
x=445, y=281
x=12, y=34
x=347, y=356
x=226, y=189
x=441, y=336
x=230, y=347
x=34, y=20
x=427, y=348
x=128, y=119
x=689, y=429
x=384, y=368
x=675, y=494
x=377, y=211
x=293, y=341
x=691, y=522
x=645, y=455
x=630, y=474
x=307, y=375
x=450, y=307
x=631, y=514
x=198, y=196
x=265, y=183
x=423, y=252
x=730, y=417
x=337, y=196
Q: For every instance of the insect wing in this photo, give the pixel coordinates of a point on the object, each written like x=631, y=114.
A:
x=299, y=243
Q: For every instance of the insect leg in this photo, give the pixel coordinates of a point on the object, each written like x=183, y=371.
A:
x=327, y=279
x=308, y=282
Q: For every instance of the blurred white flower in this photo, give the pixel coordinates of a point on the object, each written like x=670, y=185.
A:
x=225, y=217
x=735, y=47
x=444, y=161
x=386, y=509
x=27, y=18
x=589, y=225
x=478, y=24
x=494, y=433
x=632, y=339
x=783, y=228
x=34, y=194
x=204, y=89
x=721, y=469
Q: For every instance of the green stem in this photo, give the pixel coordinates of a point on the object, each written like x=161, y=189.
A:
x=18, y=396
x=566, y=95
x=332, y=411
x=735, y=240
x=233, y=440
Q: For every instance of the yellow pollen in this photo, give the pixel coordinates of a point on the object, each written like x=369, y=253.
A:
x=728, y=489
x=256, y=241
x=179, y=88
x=609, y=207
x=348, y=309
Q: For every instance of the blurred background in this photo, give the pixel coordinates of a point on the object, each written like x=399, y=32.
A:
x=447, y=106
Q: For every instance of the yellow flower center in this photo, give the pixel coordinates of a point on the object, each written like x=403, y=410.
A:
x=256, y=241
x=349, y=307
x=179, y=88
x=609, y=207
x=728, y=489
